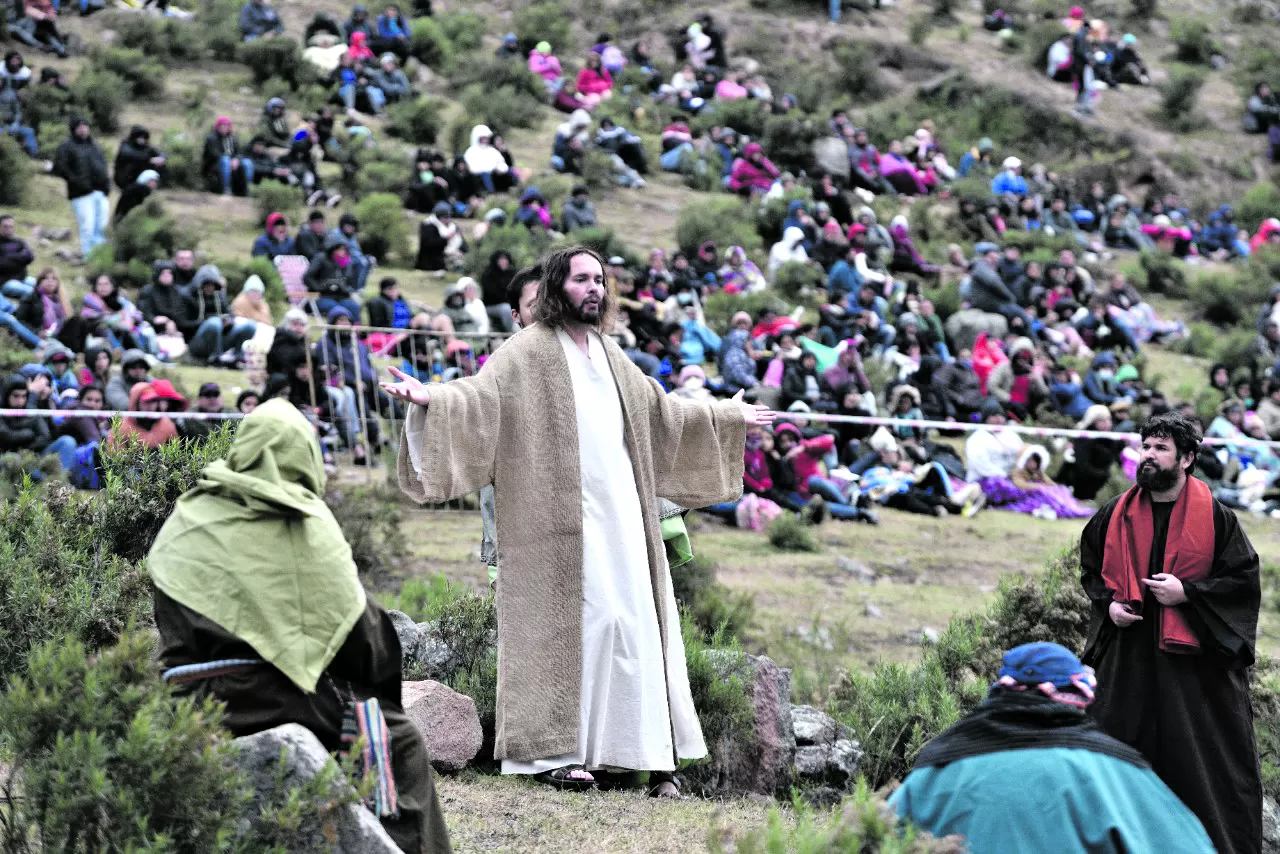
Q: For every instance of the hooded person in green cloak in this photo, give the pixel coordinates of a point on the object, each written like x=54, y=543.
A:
x=258, y=605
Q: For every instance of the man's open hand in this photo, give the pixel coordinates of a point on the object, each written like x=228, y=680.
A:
x=1166, y=588
x=408, y=389
x=755, y=414
x=1122, y=616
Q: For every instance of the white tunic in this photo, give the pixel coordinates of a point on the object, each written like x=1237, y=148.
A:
x=628, y=710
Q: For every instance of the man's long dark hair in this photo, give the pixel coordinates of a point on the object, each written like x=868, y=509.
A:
x=1179, y=429
x=553, y=307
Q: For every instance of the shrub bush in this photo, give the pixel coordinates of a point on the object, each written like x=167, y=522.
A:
x=1178, y=99
x=863, y=822
x=424, y=599
x=1164, y=274
x=1259, y=202
x=798, y=282
x=723, y=220
x=384, y=228
x=149, y=233
x=218, y=20
x=16, y=167
x=720, y=307
x=493, y=73
x=274, y=57
x=160, y=38
x=606, y=242
x=374, y=169
x=747, y=116
x=718, y=678
x=417, y=122
x=789, y=534
x=272, y=196
x=143, y=75
x=514, y=239
x=371, y=525
x=1227, y=298
x=712, y=607
x=428, y=43
x=919, y=26
x=102, y=95
x=858, y=74
x=464, y=29
x=1193, y=41
x=1039, y=38
x=468, y=626
x=501, y=108
x=544, y=20
x=182, y=168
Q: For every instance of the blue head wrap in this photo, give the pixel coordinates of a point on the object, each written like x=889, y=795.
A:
x=1049, y=668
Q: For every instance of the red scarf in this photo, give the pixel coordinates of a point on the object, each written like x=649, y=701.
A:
x=1188, y=554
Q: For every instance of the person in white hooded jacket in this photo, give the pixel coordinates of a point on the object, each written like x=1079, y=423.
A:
x=483, y=159
x=789, y=248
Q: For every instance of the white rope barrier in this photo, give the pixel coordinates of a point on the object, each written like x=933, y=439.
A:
x=970, y=427
x=111, y=413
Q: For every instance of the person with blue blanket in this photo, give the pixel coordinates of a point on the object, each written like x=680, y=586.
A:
x=1028, y=770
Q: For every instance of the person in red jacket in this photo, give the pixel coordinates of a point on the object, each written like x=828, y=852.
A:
x=805, y=457
x=752, y=173
x=595, y=83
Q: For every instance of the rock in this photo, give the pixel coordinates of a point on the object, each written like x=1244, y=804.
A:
x=860, y=571
x=447, y=720
x=1270, y=826
x=832, y=155
x=410, y=638
x=834, y=765
x=762, y=763
x=70, y=256
x=351, y=830
x=58, y=234
x=930, y=635
x=871, y=611
x=964, y=326
x=814, y=726
x=435, y=658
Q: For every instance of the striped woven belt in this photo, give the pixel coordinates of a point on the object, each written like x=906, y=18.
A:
x=208, y=670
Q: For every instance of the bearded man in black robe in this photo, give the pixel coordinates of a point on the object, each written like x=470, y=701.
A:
x=1175, y=588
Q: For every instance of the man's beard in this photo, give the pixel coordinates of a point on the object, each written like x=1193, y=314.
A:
x=588, y=313
x=1155, y=479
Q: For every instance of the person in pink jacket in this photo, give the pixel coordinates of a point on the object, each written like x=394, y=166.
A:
x=752, y=173
x=595, y=83
x=544, y=64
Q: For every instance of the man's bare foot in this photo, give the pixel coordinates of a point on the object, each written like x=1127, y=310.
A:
x=666, y=789
x=571, y=777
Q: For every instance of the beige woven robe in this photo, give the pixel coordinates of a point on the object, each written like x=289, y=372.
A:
x=515, y=425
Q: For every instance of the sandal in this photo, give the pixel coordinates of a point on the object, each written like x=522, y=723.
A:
x=657, y=779
x=563, y=780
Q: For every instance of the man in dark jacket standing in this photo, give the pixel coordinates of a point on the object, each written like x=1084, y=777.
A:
x=15, y=257
x=136, y=155
x=80, y=162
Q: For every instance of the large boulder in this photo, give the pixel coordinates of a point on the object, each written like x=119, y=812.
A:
x=965, y=325
x=831, y=154
x=410, y=637
x=1270, y=826
x=423, y=654
x=350, y=830
x=827, y=756
x=759, y=760
x=447, y=720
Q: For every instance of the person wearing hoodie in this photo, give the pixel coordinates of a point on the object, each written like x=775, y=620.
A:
x=219, y=335
x=1100, y=383
x=391, y=33
x=455, y=308
x=251, y=304
x=802, y=460
x=393, y=82
x=134, y=369
x=788, y=250
x=906, y=258
x=79, y=162
x=275, y=239
x=345, y=360
x=137, y=193
x=30, y=432
x=1092, y=459
x=16, y=256
x=311, y=236
x=333, y=276
x=1017, y=383
x=570, y=143
x=595, y=83
x=273, y=126
x=494, y=281
x=441, y=245
x=155, y=396
x=223, y=165
x=1067, y=393
x=348, y=231
x=483, y=159
x=135, y=156
x=258, y=19
x=578, y=212
x=958, y=381
x=752, y=173
x=546, y=65
x=165, y=306
x=989, y=293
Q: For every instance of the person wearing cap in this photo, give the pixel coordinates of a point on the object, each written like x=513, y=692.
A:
x=251, y=304
x=275, y=239
x=1029, y=770
x=1175, y=589
x=79, y=162
x=1010, y=180
x=209, y=402
x=137, y=193
x=223, y=165
x=393, y=82
x=311, y=236
x=1127, y=66
x=509, y=48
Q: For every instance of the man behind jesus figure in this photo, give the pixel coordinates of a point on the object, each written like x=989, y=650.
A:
x=591, y=670
x=1175, y=588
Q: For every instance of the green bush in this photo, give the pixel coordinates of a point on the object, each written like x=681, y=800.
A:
x=468, y=626
x=272, y=196
x=1260, y=202
x=428, y=43
x=1227, y=298
x=277, y=57
x=109, y=761
x=1039, y=38
x=863, y=823
x=417, y=122
x=919, y=26
x=166, y=39
x=384, y=228
x=182, y=168
x=466, y=72
x=102, y=95
x=718, y=678
x=1201, y=340
x=944, y=8
x=544, y=20
x=1178, y=99
x=607, y=243
x=858, y=75
x=789, y=534
x=720, y=307
x=374, y=169
x=1164, y=274
x=56, y=580
x=371, y=525
x=143, y=75
x=747, y=116
x=511, y=238
x=218, y=20
x=712, y=607
x=464, y=29
x=149, y=233
x=725, y=221
x=799, y=282
x=1193, y=41
x=501, y=108
x=16, y=167
x=424, y=599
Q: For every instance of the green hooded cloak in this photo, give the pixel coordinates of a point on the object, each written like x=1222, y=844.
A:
x=254, y=548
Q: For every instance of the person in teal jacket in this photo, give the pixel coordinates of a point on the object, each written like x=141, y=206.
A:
x=1028, y=770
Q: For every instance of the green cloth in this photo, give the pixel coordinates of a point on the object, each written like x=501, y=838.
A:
x=254, y=548
x=826, y=355
x=675, y=536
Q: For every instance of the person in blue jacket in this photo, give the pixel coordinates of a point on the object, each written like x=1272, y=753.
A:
x=1010, y=180
x=1028, y=770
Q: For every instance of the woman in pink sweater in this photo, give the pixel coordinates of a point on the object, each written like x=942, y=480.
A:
x=595, y=83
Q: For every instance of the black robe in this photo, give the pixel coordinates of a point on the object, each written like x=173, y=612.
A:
x=1190, y=715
